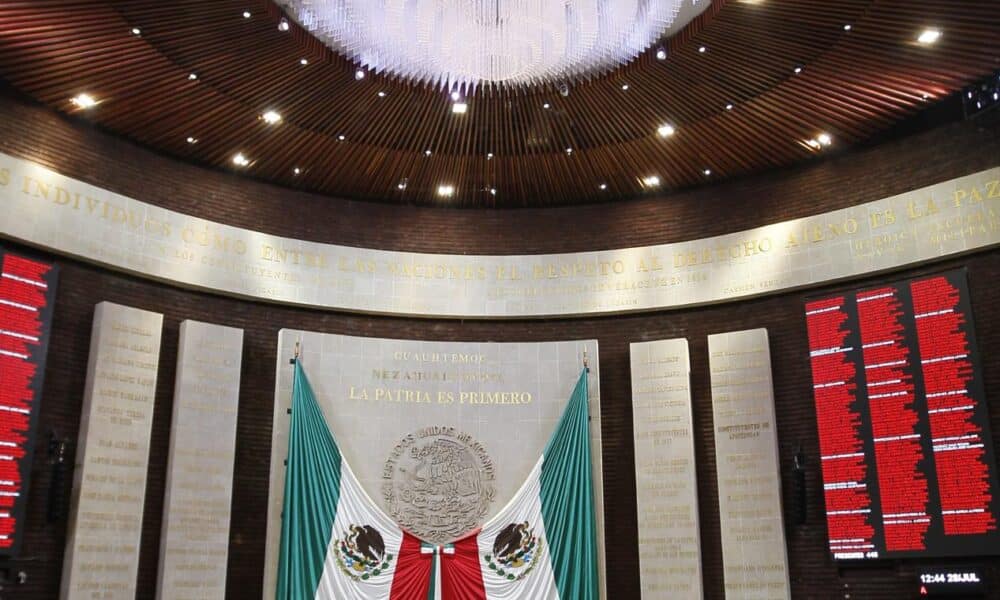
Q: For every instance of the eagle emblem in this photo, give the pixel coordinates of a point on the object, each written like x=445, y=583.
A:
x=515, y=551
x=361, y=553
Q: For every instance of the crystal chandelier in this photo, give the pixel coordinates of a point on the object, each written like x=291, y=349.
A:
x=470, y=43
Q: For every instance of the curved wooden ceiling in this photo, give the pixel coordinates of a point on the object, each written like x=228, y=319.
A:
x=347, y=141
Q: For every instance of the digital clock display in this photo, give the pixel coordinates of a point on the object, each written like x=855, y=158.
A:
x=967, y=582
x=907, y=456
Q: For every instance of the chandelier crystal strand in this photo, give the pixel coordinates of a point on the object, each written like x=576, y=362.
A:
x=463, y=44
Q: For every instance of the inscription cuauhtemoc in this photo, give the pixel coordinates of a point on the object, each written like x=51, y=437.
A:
x=438, y=483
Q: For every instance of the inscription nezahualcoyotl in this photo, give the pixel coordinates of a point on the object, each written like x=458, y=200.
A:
x=438, y=483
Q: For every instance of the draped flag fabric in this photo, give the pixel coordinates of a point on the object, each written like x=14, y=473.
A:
x=337, y=544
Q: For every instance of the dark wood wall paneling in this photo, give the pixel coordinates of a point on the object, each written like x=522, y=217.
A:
x=35, y=133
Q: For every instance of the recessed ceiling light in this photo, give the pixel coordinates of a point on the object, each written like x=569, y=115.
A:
x=246, y=14
x=847, y=27
x=569, y=151
x=240, y=160
x=825, y=139
x=341, y=137
x=666, y=130
x=489, y=156
x=924, y=96
x=814, y=144
x=271, y=117
x=455, y=96
x=192, y=140
x=707, y=172
x=381, y=94
x=359, y=74
x=702, y=49
x=797, y=69
x=297, y=171
x=624, y=87
x=459, y=108
x=929, y=36
x=603, y=186
x=427, y=152
x=402, y=184
x=546, y=105
x=650, y=181
x=493, y=191
x=303, y=61
x=84, y=101
x=661, y=53
x=446, y=190
x=729, y=106
x=136, y=31
x=283, y=24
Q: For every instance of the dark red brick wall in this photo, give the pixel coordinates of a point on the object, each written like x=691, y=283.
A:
x=79, y=151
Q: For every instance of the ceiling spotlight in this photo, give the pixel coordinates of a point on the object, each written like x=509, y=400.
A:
x=729, y=106
x=666, y=130
x=814, y=144
x=564, y=88
x=359, y=74
x=624, y=87
x=303, y=61
x=402, y=184
x=569, y=151
x=136, y=31
x=271, y=117
x=603, y=186
x=924, y=96
x=493, y=191
x=192, y=140
x=825, y=139
x=297, y=171
x=459, y=108
x=427, y=152
x=847, y=27
x=546, y=105
x=650, y=181
x=707, y=172
x=84, y=101
x=929, y=36
x=381, y=94
x=246, y=14
x=702, y=49
x=797, y=69
x=661, y=53
x=341, y=137
x=456, y=96
x=446, y=190
x=283, y=24
x=192, y=76
x=489, y=156
x=239, y=160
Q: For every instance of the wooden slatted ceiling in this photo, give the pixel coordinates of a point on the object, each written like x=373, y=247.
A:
x=853, y=84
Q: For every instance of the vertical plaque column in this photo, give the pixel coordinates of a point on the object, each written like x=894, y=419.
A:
x=754, y=558
x=109, y=482
x=194, y=545
x=665, y=478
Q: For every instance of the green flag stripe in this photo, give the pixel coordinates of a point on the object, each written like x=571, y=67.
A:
x=312, y=490
x=567, y=495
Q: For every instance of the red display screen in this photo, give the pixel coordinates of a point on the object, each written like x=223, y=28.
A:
x=907, y=457
x=27, y=291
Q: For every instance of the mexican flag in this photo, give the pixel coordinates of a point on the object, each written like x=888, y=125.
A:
x=337, y=544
